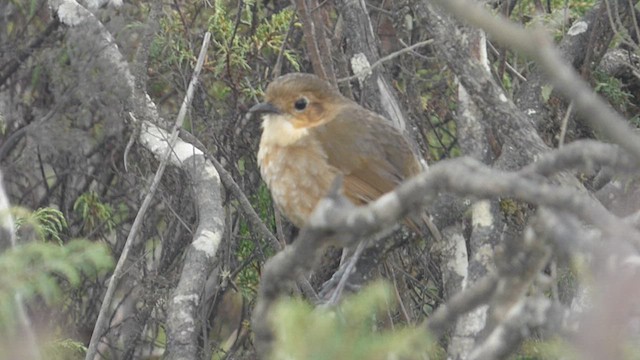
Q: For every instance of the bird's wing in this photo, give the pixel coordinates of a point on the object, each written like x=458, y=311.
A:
x=373, y=156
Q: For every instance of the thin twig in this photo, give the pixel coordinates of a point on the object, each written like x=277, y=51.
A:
x=24, y=54
x=513, y=71
x=382, y=60
x=634, y=21
x=277, y=68
x=461, y=303
x=565, y=123
x=345, y=276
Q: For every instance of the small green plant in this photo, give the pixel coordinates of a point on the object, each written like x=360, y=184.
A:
x=545, y=350
x=635, y=120
x=348, y=332
x=65, y=349
x=3, y=125
x=249, y=276
x=611, y=88
x=235, y=44
x=44, y=270
x=47, y=223
x=94, y=212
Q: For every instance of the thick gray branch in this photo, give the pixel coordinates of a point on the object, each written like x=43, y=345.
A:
x=336, y=219
x=206, y=183
x=538, y=46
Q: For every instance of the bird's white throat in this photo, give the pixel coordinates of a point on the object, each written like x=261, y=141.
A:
x=278, y=131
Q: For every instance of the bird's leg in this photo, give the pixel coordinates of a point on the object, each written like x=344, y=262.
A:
x=435, y=232
x=345, y=275
x=344, y=272
x=346, y=253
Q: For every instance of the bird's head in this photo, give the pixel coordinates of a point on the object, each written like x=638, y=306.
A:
x=302, y=100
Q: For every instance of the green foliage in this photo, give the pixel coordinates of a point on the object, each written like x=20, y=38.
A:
x=235, y=45
x=3, y=125
x=66, y=349
x=440, y=132
x=94, y=213
x=635, y=120
x=249, y=276
x=442, y=138
x=231, y=43
x=546, y=91
x=271, y=34
x=509, y=206
x=47, y=223
x=611, y=88
x=575, y=8
x=349, y=332
x=26, y=8
x=545, y=350
x=41, y=269
x=171, y=47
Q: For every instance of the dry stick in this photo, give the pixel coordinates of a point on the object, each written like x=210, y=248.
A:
x=461, y=176
x=317, y=50
x=539, y=47
x=581, y=155
x=634, y=20
x=118, y=272
x=461, y=303
x=510, y=69
x=277, y=69
x=565, y=124
x=389, y=57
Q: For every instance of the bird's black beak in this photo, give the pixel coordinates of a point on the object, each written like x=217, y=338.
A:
x=263, y=108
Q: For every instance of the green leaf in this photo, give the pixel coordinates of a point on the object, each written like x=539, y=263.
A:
x=347, y=332
x=47, y=270
x=546, y=92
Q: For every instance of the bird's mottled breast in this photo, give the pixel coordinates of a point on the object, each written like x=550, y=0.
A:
x=295, y=169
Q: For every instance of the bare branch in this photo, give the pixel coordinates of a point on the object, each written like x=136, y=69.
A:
x=385, y=59
x=338, y=221
x=585, y=155
x=73, y=15
x=525, y=314
x=462, y=302
x=314, y=33
x=166, y=150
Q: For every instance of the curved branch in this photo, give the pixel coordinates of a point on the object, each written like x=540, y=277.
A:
x=581, y=155
x=335, y=219
x=169, y=150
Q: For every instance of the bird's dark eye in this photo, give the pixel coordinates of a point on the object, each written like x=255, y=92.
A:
x=301, y=104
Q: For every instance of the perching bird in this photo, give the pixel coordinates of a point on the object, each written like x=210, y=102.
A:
x=311, y=134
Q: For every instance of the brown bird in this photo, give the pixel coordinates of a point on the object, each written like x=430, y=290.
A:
x=311, y=134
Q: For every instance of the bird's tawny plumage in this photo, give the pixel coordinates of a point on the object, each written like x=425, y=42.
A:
x=311, y=133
